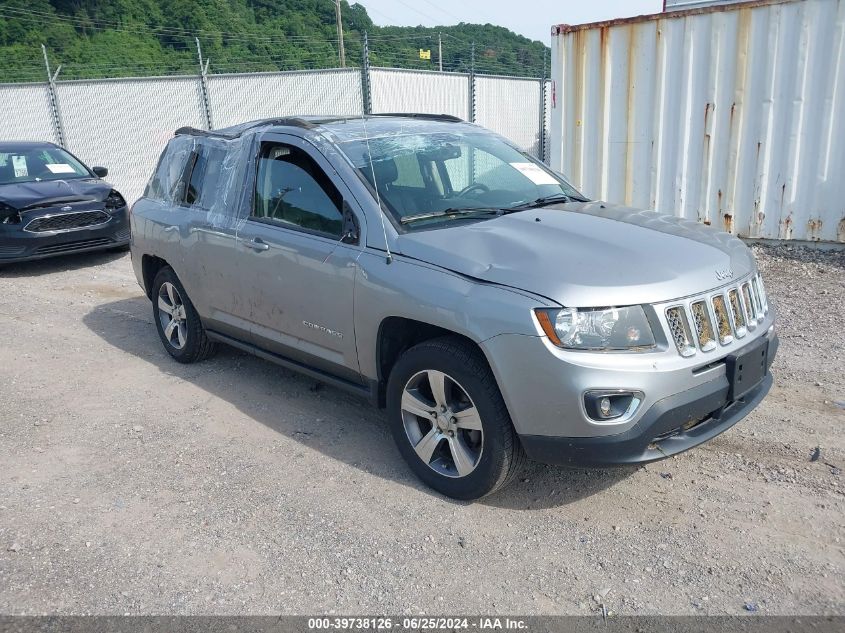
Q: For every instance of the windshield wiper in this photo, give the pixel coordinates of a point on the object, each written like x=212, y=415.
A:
x=451, y=212
x=544, y=201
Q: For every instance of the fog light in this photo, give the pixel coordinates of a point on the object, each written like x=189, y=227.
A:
x=612, y=406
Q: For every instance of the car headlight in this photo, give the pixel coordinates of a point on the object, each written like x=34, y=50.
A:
x=597, y=329
x=8, y=215
x=114, y=201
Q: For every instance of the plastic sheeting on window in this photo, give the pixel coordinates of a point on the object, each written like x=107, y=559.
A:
x=204, y=173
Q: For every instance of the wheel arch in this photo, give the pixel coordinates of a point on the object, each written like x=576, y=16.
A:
x=397, y=334
x=150, y=267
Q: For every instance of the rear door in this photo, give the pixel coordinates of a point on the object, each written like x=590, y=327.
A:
x=208, y=234
x=298, y=273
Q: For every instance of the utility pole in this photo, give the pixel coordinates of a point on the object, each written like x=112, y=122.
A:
x=440, y=50
x=340, y=47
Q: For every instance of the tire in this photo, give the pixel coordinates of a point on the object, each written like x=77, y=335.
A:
x=483, y=444
x=187, y=341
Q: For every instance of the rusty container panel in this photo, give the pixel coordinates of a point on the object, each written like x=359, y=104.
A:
x=733, y=115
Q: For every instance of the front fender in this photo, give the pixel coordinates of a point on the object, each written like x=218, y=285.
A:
x=416, y=290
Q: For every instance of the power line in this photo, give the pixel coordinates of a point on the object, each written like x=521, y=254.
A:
x=382, y=14
x=412, y=8
x=451, y=15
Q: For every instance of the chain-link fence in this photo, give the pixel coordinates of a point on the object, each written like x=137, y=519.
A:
x=238, y=98
x=396, y=90
x=26, y=113
x=123, y=124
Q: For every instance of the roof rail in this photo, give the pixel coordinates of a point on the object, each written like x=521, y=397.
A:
x=191, y=131
x=237, y=130
x=423, y=115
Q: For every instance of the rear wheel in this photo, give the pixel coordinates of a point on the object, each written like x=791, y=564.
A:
x=178, y=324
x=449, y=421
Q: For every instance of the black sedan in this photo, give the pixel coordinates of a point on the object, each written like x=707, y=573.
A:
x=52, y=204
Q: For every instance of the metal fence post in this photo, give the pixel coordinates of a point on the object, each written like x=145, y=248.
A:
x=366, y=94
x=472, y=84
x=204, y=87
x=541, y=145
x=58, y=126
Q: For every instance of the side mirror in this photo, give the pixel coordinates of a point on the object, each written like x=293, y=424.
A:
x=100, y=172
x=351, y=231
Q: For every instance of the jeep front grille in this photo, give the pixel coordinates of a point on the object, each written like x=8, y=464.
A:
x=703, y=326
x=750, y=310
x=679, y=327
x=761, y=292
x=720, y=309
x=737, y=312
x=717, y=317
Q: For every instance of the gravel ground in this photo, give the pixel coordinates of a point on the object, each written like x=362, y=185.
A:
x=132, y=484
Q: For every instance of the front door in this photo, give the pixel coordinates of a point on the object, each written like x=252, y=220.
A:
x=298, y=272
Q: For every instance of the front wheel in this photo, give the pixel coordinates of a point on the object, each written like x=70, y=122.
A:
x=449, y=421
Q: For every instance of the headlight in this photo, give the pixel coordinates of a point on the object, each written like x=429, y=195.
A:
x=598, y=329
x=8, y=215
x=114, y=201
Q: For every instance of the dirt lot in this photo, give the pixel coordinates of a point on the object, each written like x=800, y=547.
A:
x=131, y=484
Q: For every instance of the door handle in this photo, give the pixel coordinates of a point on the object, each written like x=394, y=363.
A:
x=257, y=244
x=170, y=229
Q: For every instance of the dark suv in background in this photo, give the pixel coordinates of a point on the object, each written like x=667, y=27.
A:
x=52, y=204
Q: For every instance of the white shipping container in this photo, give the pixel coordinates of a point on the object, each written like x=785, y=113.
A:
x=732, y=114
x=673, y=5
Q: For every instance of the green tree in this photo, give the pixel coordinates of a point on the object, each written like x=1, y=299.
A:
x=92, y=38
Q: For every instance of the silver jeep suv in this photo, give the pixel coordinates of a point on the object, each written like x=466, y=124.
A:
x=431, y=266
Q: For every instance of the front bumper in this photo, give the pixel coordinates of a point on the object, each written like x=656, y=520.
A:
x=17, y=245
x=543, y=388
x=660, y=433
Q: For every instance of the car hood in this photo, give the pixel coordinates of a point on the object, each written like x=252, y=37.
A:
x=23, y=195
x=587, y=254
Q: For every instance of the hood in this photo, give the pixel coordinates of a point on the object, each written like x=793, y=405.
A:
x=23, y=195
x=587, y=254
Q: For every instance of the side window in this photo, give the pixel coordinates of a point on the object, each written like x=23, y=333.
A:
x=155, y=186
x=291, y=189
x=188, y=173
x=193, y=179
x=179, y=189
x=204, y=174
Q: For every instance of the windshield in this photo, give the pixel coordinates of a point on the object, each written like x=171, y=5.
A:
x=33, y=164
x=428, y=178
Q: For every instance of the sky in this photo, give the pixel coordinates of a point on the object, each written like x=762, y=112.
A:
x=531, y=18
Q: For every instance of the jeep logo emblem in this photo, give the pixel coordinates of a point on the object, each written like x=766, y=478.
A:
x=725, y=273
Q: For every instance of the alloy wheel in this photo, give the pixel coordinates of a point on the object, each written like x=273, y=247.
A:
x=172, y=315
x=442, y=423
